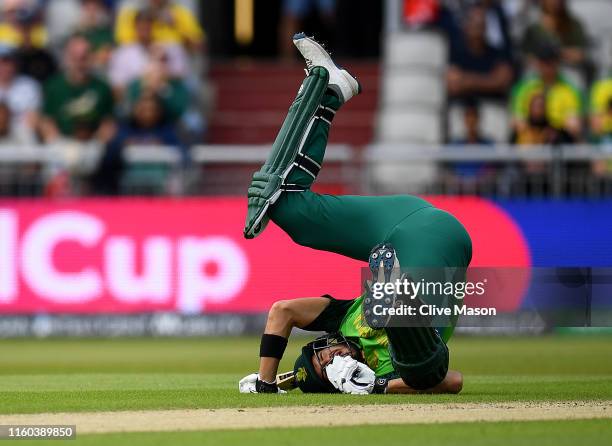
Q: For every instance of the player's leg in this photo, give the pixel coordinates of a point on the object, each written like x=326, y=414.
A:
x=436, y=246
x=347, y=225
x=287, y=155
x=432, y=246
x=299, y=148
x=280, y=190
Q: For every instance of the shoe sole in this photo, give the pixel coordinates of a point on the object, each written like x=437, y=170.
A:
x=330, y=62
x=379, y=266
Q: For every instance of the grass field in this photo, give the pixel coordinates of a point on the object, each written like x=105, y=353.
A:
x=42, y=376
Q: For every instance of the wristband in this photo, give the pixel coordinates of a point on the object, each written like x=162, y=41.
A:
x=272, y=346
x=380, y=385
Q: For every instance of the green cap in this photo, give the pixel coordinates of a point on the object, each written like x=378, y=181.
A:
x=306, y=377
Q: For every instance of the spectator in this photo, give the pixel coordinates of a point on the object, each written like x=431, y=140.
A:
x=37, y=63
x=6, y=133
x=96, y=26
x=601, y=110
x=130, y=61
x=601, y=125
x=477, y=70
x=20, y=179
x=21, y=28
x=77, y=104
x=172, y=24
x=562, y=101
x=471, y=120
x=147, y=124
x=470, y=170
x=157, y=81
x=21, y=25
x=21, y=95
x=497, y=25
x=537, y=129
x=557, y=26
x=295, y=13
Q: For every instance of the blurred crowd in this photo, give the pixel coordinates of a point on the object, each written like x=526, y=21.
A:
x=532, y=56
x=100, y=72
x=114, y=73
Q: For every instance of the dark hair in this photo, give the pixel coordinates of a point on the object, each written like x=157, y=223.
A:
x=565, y=20
x=162, y=115
x=548, y=51
x=144, y=14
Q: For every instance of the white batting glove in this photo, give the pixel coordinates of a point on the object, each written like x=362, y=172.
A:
x=350, y=376
x=248, y=384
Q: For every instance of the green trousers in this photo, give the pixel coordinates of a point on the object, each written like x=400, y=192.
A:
x=423, y=236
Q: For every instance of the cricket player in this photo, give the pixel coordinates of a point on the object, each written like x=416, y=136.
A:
x=388, y=232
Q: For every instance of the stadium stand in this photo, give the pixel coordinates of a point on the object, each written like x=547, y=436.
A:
x=403, y=120
x=251, y=101
x=412, y=103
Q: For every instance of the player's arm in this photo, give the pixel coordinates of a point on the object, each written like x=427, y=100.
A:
x=452, y=383
x=282, y=317
x=499, y=79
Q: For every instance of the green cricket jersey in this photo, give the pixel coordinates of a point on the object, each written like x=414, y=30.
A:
x=374, y=342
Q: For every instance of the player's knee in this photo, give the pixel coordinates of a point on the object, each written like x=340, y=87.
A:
x=289, y=214
x=428, y=373
x=281, y=309
x=453, y=382
x=422, y=382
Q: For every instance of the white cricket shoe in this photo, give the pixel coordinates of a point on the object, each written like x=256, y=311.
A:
x=340, y=80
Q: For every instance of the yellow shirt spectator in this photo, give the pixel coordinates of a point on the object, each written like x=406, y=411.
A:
x=175, y=24
x=563, y=100
x=11, y=36
x=601, y=105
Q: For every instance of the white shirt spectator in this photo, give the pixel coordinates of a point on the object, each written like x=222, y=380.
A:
x=22, y=95
x=129, y=62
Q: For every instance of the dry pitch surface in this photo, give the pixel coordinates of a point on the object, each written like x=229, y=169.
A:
x=317, y=416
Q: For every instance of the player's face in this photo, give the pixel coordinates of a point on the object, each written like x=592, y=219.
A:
x=325, y=356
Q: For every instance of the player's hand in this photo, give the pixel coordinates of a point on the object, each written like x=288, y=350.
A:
x=350, y=376
x=249, y=384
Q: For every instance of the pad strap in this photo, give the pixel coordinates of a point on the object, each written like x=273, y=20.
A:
x=307, y=164
x=303, y=161
x=326, y=114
